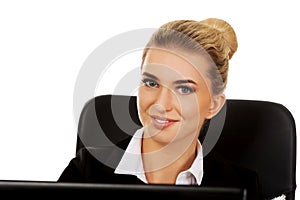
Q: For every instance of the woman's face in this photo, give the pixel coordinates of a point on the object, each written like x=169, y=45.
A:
x=174, y=96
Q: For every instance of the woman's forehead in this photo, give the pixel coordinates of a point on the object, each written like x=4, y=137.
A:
x=178, y=64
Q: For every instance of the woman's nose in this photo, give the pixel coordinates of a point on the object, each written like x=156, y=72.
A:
x=165, y=100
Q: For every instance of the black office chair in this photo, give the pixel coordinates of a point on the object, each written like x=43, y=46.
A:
x=260, y=135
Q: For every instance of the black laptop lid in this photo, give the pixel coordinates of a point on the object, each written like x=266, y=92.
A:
x=113, y=191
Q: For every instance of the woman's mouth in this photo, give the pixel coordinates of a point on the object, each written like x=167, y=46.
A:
x=162, y=122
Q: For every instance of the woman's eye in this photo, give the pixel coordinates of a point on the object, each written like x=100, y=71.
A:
x=185, y=89
x=150, y=83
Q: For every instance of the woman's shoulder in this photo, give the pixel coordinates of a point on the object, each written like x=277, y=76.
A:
x=219, y=171
x=97, y=165
x=216, y=164
x=108, y=155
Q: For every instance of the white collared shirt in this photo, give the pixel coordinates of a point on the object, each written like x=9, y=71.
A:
x=132, y=164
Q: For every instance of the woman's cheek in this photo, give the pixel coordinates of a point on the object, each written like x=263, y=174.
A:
x=143, y=105
x=193, y=109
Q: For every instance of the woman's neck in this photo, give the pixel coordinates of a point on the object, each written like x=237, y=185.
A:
x=163, y=164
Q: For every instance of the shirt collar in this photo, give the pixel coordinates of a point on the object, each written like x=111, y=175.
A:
x=196, y=168
x=131, y=162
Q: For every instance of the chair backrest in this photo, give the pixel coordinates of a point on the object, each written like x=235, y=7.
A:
x=259, y=135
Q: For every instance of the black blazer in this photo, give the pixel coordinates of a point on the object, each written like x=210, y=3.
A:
x=87, y=168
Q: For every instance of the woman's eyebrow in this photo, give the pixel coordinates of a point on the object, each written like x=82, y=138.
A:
x=150, y=75
x=185, y=81
x=175, y=82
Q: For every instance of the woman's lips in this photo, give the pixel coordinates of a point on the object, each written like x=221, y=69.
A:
x=162, y=122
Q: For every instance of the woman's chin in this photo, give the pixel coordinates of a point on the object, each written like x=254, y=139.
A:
x=161, y=135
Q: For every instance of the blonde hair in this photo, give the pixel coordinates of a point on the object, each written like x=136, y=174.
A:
x=213, y=36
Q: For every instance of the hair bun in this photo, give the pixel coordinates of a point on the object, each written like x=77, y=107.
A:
x=228, y=33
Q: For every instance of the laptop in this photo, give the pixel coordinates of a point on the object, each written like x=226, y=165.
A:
x=44, y=189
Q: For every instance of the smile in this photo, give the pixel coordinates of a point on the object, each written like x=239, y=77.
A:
x=162, y=122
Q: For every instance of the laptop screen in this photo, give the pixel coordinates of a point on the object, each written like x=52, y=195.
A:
x=130, y=191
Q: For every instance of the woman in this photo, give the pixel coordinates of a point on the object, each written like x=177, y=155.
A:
x=183, y=77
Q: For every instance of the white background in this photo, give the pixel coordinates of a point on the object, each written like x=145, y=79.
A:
x=43, y=45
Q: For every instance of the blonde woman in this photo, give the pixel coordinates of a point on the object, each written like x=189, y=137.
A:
x=183, y=77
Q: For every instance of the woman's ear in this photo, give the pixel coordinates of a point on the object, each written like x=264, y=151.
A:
x=217, y=103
